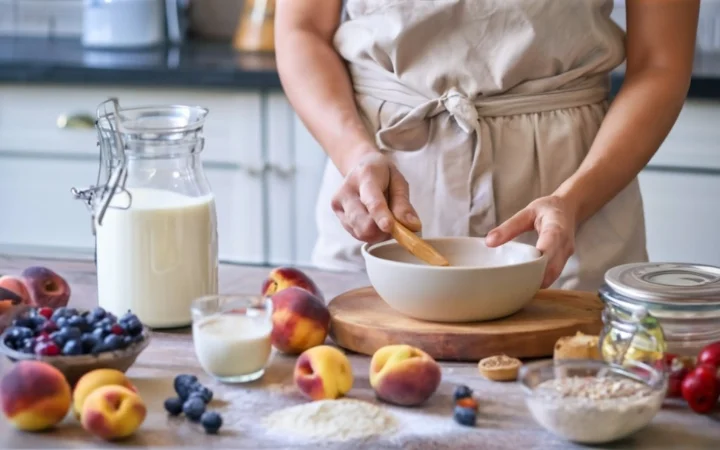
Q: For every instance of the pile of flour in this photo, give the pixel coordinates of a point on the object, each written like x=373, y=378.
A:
x=332, y=420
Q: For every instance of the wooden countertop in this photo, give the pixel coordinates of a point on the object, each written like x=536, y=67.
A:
x=504, y=422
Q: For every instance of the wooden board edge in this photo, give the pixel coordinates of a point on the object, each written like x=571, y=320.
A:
x=371, y=346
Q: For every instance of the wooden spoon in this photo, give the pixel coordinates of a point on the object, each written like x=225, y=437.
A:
x=415, y=245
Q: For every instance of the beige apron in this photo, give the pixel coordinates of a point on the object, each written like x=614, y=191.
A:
x=485, y=105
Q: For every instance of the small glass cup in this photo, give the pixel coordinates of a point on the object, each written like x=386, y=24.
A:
x=231, y=336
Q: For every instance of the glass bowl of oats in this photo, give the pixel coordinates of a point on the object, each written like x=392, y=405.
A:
x=591, y=401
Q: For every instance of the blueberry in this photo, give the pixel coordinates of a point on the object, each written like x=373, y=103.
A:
x=89, y=341
x=58, y=313
x=201, y=391
x=19, y=333
x=133, y=326
x=182, y=384
x=127, y=341
x=38, y=321
x=104, y=323
x=71, y=312
x=73, y=347
x=174, y=406
x=138, y=338
x=462, y=391
x=25, y=322
x=211, y=421
x=112, y=342
x=465, y=416
x=128, y=316
x=71, y=332
x=59, y=338
x=99, y=333
x=78, y=322
x=61, y=321
x=98, y=313
x=193, y=408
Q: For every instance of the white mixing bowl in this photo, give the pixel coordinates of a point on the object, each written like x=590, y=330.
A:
x=482, y=283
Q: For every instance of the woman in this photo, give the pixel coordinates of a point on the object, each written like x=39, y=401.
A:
x=486, y=118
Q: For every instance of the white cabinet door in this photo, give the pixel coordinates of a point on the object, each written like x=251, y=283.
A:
x=295, y=169
x=682, y=216
x=40, y=215
x=239, y=205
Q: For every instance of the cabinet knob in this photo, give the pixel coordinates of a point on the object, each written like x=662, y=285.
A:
x=75, y=121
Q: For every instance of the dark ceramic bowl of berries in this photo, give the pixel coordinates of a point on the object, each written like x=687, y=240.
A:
x=75, y=342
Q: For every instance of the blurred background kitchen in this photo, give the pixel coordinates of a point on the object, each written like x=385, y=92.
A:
x=60, y=58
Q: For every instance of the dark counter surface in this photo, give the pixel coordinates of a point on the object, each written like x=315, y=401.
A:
x=195, y=64
x=200, y=64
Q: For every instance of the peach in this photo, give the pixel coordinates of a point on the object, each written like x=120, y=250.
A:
x=300, y=320
x=404, y=375
x=46, y=287
x=284, y=277
x=113, y=412
x=12, y=292
x=34, y=396
x=93, y=380
x=323, y=372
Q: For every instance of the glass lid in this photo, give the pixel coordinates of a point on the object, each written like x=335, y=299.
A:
x=667, y=284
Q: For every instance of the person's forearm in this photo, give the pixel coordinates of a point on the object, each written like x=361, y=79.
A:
x=318, y=86
x=639, y=119
x=659, y=67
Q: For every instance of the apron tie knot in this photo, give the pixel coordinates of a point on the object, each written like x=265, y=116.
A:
x=462, y=109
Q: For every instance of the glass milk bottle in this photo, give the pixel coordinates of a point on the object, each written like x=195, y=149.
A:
x=154, y=219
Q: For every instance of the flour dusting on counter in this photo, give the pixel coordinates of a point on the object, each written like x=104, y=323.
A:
x=335, y=420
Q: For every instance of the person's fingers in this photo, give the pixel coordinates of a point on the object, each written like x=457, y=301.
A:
x=399, y=199
x=521, y=222
x=554, y=242
x=372, y=196
x=358, y=218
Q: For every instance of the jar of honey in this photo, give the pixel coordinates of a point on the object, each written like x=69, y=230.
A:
x=657, y=308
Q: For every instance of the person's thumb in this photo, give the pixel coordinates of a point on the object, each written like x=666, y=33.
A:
x=399, y=199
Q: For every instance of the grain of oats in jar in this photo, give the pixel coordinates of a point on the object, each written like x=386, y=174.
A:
x=590, y=401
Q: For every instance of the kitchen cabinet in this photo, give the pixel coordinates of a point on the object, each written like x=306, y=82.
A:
x=40, y=162
x=681, y=189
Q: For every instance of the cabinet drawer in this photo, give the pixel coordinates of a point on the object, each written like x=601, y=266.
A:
x=29, y=116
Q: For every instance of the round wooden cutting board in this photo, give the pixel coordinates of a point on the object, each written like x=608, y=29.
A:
x=362, y=322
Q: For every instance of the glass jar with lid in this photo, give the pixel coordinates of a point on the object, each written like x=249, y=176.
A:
x=653, y=308
x=153, y=213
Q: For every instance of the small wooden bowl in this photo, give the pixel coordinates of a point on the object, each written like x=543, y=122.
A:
x=73, y=367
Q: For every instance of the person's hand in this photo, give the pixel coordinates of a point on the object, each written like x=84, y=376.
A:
x=372, y=196
x=555, y=224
